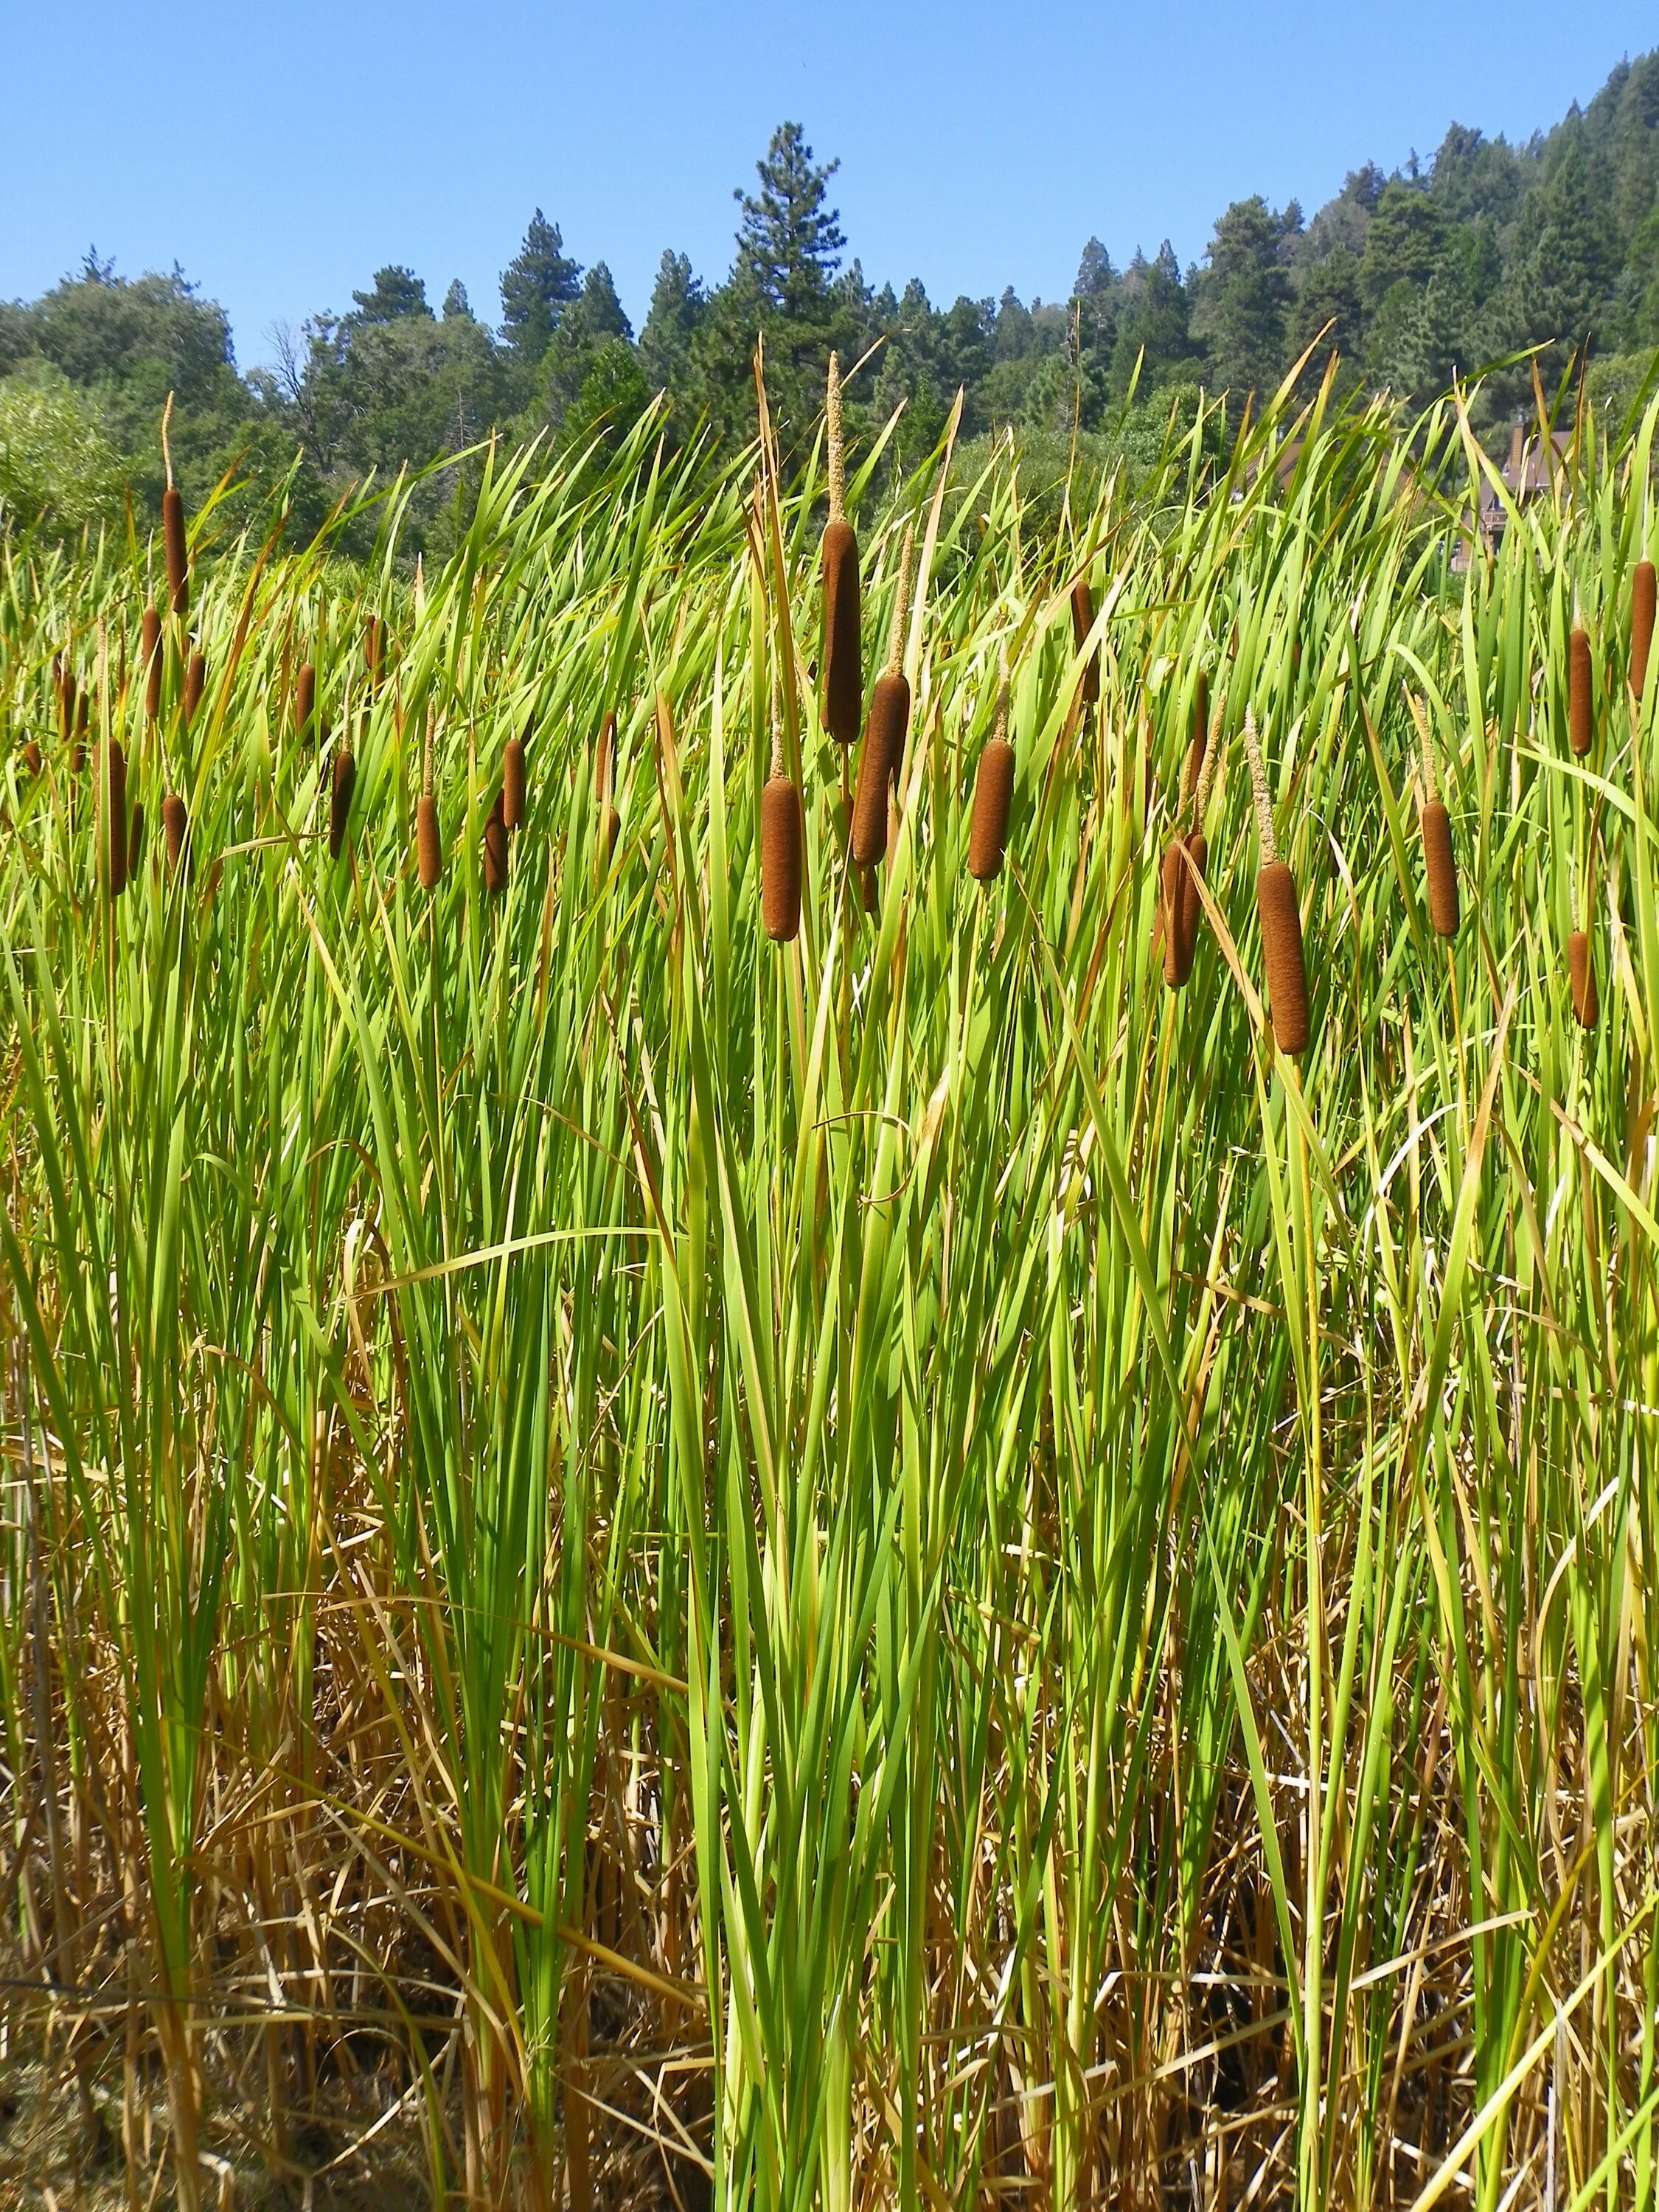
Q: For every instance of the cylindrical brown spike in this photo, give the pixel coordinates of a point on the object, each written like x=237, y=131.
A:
x=32, y=756
x=374, y=650
x=780, y=837
x=175, y=821
x=429, y=846
x=1172, y=867
x=1281, y=955
x=1439, y=867
x=342, y=783
x=512, y=783
x=173, y=537
x=993, y=792
x=1581, y=976
x=886, y=729
x=1642, y=599
x=136, y=839
x=304, y=699
x=1083, y=621
x=610, y=829
x=115, y=818
x=149, y=653
x=1578, y=692
x=195, y=683
x=843, y=673
x=66, y=700
x=495, y=850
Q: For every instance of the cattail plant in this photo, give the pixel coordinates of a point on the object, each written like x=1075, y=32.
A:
x=115, y=817
x=343, y=781
x=428, y=847
x=495, y=850
x=175, y=822
x=512, y=782
x=304, y=700
x=172, y=527
x=1581, y=979
x=1642, y=601
x=1194, y=762
x=195, y=683
x=886, y=729
x=64, y=679
x=1083, y=621
x=781, y=841
x=31, y=757
x=149, y=655
x=993, y=791
x=1578, y=692
x=843, y=676
x=1281, y=923
x=374, y=645
x=1435, y=824
x=136, y=839
x=82, y=724
x=604, y=778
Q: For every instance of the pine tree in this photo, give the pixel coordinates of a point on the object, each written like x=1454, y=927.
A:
x=676, y=307
x=790, y=244
x=397, y=292
x=536, y=287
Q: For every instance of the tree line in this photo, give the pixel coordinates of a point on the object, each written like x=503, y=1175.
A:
x=1470, y=258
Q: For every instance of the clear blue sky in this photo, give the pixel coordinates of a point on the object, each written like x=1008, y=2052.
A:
x=282, y=153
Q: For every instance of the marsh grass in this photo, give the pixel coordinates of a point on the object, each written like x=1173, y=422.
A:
x=894, y=1569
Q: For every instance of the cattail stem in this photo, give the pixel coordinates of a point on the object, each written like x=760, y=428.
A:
x=1642, y=604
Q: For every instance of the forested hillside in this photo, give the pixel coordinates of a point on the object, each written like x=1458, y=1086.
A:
x=1455, y=263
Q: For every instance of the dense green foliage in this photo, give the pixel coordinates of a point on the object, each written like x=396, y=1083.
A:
x=903, y=1570
x=1469, y=259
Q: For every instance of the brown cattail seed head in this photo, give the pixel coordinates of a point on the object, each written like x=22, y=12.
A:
x=428, y=848
x=512, y=783
x=304, y=699
x=1642, y=600
x=1578, y=692
x=843, y=676
x=1083, y=621
x=781, y=836
x=1281, y=955
x=149, y=652
x=32, y=756
x=885, y=731
x=342, y=783
x=374, y=650
x=136, y=839
x=195, y=683
x=1439, y=867
x=1179, y=906
x=1581, y=976
x=175, y=821
x=115, y=817
x=66, y=699
x=993, y=792
x=173, y=537
x=495, y=850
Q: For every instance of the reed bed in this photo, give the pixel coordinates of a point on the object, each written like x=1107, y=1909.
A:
x=643, y=1566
